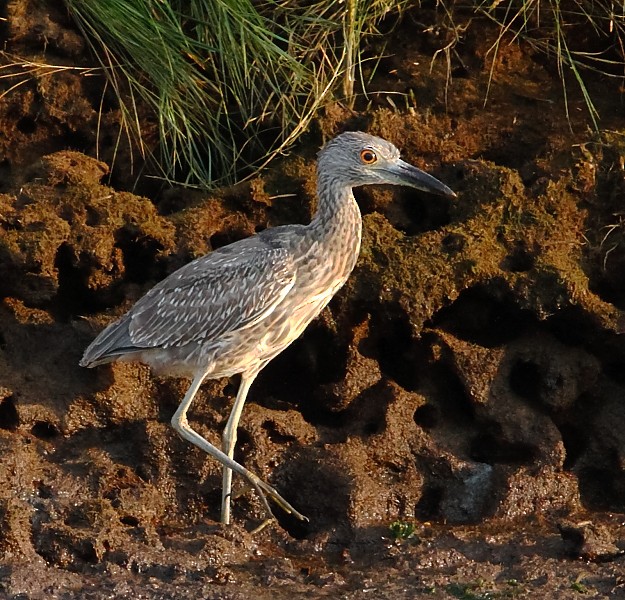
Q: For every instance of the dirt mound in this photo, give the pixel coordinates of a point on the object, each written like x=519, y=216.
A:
x=466, y=384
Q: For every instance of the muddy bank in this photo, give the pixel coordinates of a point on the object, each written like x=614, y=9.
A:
x=466, y=384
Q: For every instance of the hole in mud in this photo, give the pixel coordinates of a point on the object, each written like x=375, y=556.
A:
x=426, y=212
x=317, y=484
x=5, y=180
x=73, y=297
x=77, y=517
x=484, y=317
x=274, y=435
x=428, y=506
x=27, y=125
x=140, y=253
x=610, y=289
x=129, y=520
x=427, y=416
x=373, y=427
x=93, y=218
x=171, y=201
x=525, y=379
x=43, y=491
x=101, y=97
x=77, y=140
x=520, y=260
x=454, y=243
x=602, y=488
x=493, y=449
x=575, y=443
x=44, y=430
x=9, y=418
x=244, y=445
x=295, y=375
x=574, y=326
x=395, y=350
x=460, y=72
x=514, y=150
x=615, y=370
x=143, y=473
x=87, y=552
x=445, y=390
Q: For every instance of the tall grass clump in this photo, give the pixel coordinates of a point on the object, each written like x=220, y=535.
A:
x=230, y=83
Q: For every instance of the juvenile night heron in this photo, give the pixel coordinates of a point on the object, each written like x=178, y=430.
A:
x=236, y=308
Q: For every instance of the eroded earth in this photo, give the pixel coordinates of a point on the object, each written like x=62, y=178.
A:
x=453, y=424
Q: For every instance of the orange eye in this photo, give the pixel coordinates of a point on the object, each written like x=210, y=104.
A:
x=368, y=157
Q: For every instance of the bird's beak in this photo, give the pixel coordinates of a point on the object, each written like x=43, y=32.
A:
x=405, y=174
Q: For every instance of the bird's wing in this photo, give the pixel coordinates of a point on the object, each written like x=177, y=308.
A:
x=225, y=290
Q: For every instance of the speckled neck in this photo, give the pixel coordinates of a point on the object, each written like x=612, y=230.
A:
x=337, y=225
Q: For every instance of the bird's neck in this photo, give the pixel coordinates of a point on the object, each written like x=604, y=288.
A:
x=337, y=223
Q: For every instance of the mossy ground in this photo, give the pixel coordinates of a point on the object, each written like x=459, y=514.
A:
x=468, y=380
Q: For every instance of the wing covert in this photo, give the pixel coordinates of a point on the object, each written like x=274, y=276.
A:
x=223, y=291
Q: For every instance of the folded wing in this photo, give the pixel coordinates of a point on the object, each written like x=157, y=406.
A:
x=226, y=290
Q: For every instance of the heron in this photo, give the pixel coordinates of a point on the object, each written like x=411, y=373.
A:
x=236, y=308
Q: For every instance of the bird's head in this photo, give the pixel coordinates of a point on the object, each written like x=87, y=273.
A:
x=355, y=158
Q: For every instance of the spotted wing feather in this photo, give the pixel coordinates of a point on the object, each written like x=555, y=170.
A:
x=225, y=290
x=216, y=294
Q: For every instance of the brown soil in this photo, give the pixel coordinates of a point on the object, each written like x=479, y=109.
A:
x=453, y=425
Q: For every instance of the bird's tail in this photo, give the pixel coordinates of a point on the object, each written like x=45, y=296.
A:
x=113, y=342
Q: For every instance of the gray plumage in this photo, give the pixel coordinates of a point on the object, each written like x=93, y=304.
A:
x=236, y=308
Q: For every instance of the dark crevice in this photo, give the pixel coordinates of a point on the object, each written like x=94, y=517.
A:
x=398, y=355
x=574, y=326
x=484, y=317
x=75, y=139
x=447, y=395
x=295, y=376
x=9, y=418
x=428, y=507
x=140, y=252
x=27, y=125
x=129, y=520
x=73, y=295
x=493, y=449
x=275, y=436
x=427, y=416
x=425, y=211
x=526, y=380
x=410, y=211
x=44, y=430
x=575, y=440
x=5, y=185
x=519, y=260
x=299, y=479
x=602, y=487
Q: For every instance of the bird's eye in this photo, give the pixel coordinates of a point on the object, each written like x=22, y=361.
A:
x=368, y=157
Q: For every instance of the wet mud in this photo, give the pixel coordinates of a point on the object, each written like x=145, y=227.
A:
x=453, y=424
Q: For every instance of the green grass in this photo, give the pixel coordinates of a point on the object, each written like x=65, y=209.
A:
x=402, y=530
x=230, y=83
x=214, y=89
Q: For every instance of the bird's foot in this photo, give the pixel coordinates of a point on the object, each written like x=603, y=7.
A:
x=262, y=526
x=264, y=490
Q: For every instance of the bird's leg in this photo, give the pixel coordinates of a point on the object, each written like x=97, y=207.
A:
x=229, y=440
x=181, y=425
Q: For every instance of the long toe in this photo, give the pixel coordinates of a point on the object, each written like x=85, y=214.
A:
x=264, y=489
x=281, y=502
